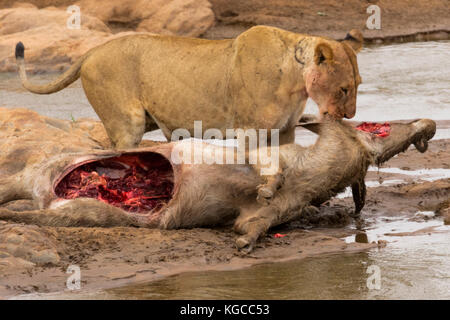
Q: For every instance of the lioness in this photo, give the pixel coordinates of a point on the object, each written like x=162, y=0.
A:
x=259, y=80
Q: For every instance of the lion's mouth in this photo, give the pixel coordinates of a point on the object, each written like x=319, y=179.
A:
x=138, y=182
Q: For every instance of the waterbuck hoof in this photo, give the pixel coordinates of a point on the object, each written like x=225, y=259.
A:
x=421, y=145
x=355, y=214
x=244, y=245
x=311, y=211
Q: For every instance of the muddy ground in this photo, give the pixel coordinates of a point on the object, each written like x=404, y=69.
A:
x=35, y=259
x=401, y=20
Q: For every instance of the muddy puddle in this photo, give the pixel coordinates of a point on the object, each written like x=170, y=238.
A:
x=415, y=265
x=401, y=81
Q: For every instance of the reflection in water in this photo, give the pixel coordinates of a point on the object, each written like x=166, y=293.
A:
x=415, y=267
x=314, y=278
x=418, y=175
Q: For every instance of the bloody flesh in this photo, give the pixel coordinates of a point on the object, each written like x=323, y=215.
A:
x=379, y=129
x=279, y=235
x=133, y=182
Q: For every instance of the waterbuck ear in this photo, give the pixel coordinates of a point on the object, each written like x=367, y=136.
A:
x=311, y=126
x=354, y=39
x=323, y=53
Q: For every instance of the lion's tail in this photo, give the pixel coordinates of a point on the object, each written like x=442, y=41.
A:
x=58, y=84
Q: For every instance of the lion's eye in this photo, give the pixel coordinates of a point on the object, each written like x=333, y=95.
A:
x=344, y=90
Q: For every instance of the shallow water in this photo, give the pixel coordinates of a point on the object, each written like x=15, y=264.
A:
x=401, y=81
x=411, y=267
x=418, y=175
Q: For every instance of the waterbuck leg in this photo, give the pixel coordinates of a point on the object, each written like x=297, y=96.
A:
x=10, y=190
x=76, y=213
x=253, y=226
x=359, y=196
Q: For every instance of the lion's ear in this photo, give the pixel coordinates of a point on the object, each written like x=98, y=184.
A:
x=323, y=53
x=354, y=39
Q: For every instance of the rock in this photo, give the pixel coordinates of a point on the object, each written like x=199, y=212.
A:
x=361, y=237
x=382, y=243
x=29, y=243
x=18, y=153
x=47, y=256
x=119, y=275
x=446, y=214
x=48, y=48
x=4, y=255
x=21, y=19
x=35, y=3
x=49, y=44
x=177, y=17
x=444, y=211
x=23, y=5
x=422, y=216
x=180, y=17
x=13, y=263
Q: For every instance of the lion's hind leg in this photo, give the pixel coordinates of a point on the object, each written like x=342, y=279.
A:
x=119, y=109
x=127, y=127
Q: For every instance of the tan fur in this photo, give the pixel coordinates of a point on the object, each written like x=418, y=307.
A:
x=259, y=80
x=208, y=195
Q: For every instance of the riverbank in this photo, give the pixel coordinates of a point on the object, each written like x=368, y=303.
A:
x=401, y=21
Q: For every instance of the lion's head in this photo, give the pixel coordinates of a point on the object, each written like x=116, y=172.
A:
x=332, y=75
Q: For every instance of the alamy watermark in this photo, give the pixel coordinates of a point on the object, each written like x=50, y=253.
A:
x=74, y=280
x=251, y=147
x=374, y=280
x=374, y=21
x=74, y=21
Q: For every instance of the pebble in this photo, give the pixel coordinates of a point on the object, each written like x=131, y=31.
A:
x=361, y=237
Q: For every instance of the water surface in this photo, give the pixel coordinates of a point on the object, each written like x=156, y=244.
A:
x=412, y=267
